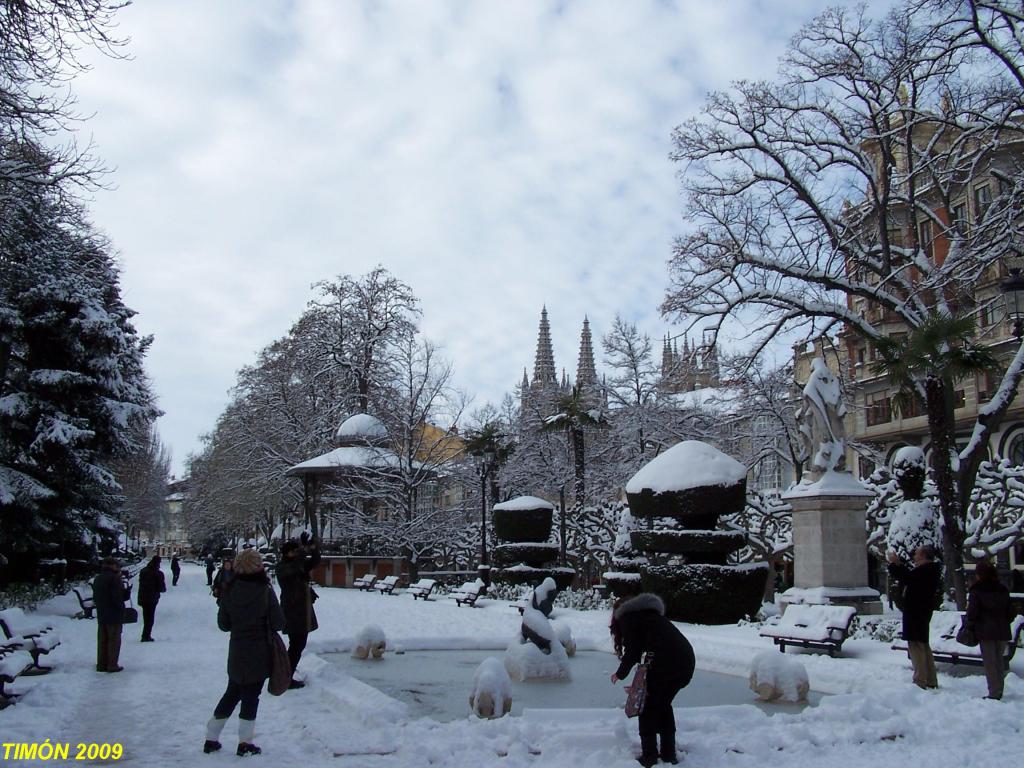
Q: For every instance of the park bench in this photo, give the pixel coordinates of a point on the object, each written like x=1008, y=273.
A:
x=13, y=664
x=422, y=588
x=469, y=593
x=523, y=601
x=387, y=586
x=365, y=583
x=20, y=631
x=942, y=639
x=85, y=601
x=821, y=627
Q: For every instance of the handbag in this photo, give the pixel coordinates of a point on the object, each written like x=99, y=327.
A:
x=965, y=635
x=280, y=665
x=637, y=696
x=130, y=614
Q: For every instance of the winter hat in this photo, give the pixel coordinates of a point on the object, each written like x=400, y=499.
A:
x=248, y=561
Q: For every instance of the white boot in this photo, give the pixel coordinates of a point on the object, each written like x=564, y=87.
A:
x=246, y=732
x=213, y=728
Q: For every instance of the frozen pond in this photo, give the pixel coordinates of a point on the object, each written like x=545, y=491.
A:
x=437, y=684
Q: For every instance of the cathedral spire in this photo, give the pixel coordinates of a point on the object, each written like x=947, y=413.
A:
x=586, y=373
x=544, y=362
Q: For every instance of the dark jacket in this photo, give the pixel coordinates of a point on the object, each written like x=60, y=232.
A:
x=108, y=597
x=151, y=584
x=988, y=611
x=221, y=581
x=921, y=586
x=175, y=565
x=248, y=609
x=644, y=628
x=211, y=564
x=296, y=593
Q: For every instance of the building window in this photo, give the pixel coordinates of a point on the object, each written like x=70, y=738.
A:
x=982, y=200
x=960, y=220
x=927, y=239
x=879, y=409
x=865, y=467
x=988, y=383
x=959, y=398
x=987, y=316
x=1015, y=451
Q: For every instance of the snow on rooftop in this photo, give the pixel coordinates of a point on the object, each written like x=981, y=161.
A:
x=689, y=464
x=350, y=457
x=524, y=502
x=361, y=425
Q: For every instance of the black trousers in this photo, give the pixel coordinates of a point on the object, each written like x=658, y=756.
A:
x=296, y=645
x=175, y=575
x=657, y=718
x=148, y=616
x=247, y=693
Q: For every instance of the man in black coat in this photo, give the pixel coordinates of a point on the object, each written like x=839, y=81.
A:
x=639, y=626
x=989, y=614
x=151, y=585
x=108, y=597
x=921, y=586
x=175, y=570
x=297, y=596
x=211, y=566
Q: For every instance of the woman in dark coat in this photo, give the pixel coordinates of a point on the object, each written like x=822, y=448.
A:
x=248, y=609
x=639, y=626
x=151, y=584
x=297, y=596
x=989, y=614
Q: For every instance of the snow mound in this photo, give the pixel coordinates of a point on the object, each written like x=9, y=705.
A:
x=492, y=690
x=520, y=503
x=525, y=661
x=914, y=524
x=909, y=456
x=564, y=634
x=689, y=464
x=369, y=643
x=774, y=676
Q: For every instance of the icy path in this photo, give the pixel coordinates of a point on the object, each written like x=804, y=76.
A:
x=157, y=707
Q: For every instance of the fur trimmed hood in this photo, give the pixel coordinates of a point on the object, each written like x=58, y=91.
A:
x=644, y=602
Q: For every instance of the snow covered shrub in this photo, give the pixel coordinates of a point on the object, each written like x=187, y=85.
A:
x=515, y=524
x=583, y=600
x=369, y=643
x=707, y=594
x=531, y=553
x=492, y=690
x=881, y=628
x=775, y=676
x=27, y=596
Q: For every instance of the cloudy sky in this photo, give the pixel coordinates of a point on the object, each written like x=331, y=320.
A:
x=495, y=155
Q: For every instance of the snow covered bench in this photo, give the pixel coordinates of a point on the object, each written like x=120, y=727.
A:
x=942, y=638
x=469, y=593
x=13, y=663
x=365, y=583
x=823, y=627
x=85, y=601
x=36, y=638
x=422, y=588
x=387, y=587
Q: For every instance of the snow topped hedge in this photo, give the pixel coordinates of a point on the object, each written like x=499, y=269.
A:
x=686, y=465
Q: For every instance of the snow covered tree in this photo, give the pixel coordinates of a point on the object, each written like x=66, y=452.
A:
x=577, y=415
x=815, y=198
x=142, y=472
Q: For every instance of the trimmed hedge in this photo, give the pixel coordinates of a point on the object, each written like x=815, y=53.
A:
x=522, y=525
x=530, y=554
x=696, y=508
x=688, y=542
x=706, y=594
x=622, y=587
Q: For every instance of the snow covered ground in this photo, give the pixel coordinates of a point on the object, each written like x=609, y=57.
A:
x=158, y=706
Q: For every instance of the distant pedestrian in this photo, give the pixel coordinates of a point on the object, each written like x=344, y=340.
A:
x=108, y=594
x=151, y=585
x=175, y=570
x=211, y=566
x=989, y=615
x=921, y=587
x=223, y=577
x=248, y=608
x=298, y=559
x=639, y=626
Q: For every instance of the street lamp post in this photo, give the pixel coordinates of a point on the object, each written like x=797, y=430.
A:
x=1012, y=289
x=485, y=470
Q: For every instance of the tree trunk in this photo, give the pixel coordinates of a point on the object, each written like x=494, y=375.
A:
x=579, y=465
x=939, y=401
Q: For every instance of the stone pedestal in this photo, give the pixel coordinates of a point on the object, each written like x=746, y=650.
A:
x=830, y=557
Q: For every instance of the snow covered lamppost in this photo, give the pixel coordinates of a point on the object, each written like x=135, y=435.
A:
x=486, y=467
x=1012, y=289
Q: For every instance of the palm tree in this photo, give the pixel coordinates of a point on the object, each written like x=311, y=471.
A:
x=576, y=414
x=927, y=363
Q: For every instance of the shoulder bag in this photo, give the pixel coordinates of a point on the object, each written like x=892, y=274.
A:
x=129, y=613
x=637, y=696
x=965, y=635
x=280, y=665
